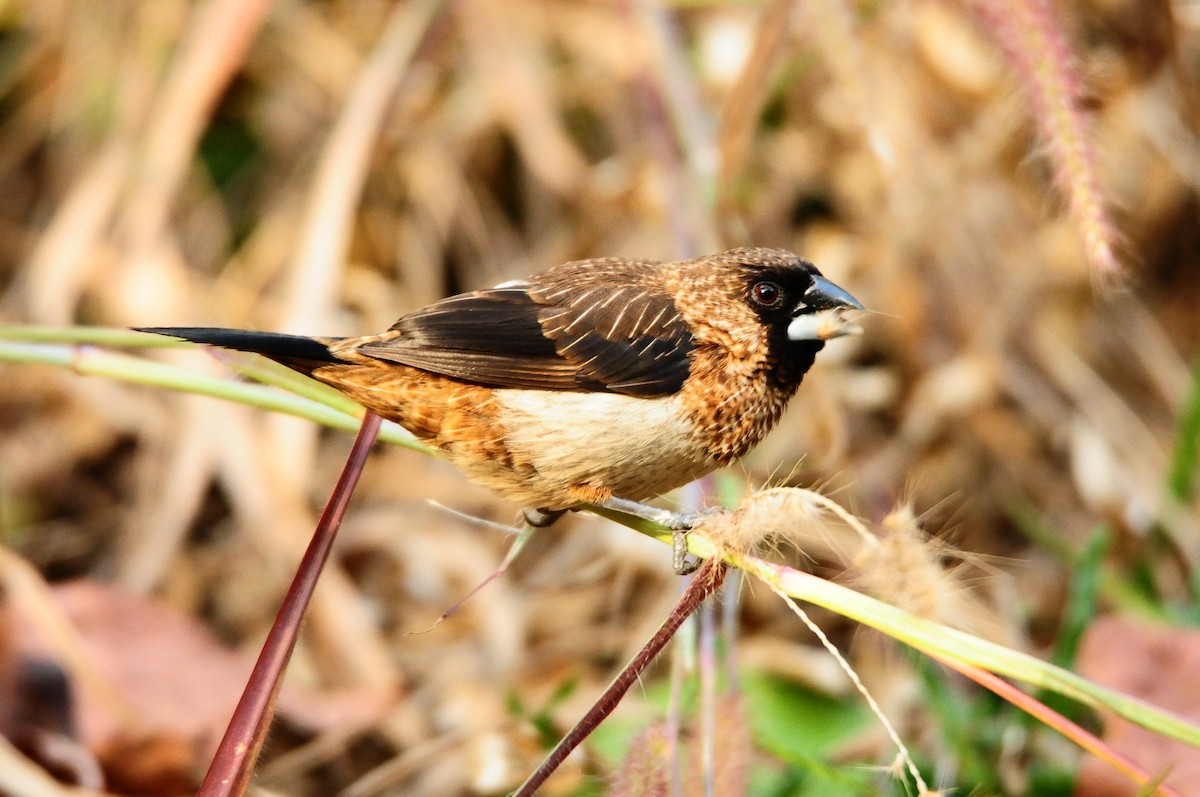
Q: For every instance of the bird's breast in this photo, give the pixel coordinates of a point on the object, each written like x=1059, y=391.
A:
x=731, y=404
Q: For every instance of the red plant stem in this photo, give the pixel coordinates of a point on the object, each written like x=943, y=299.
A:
x=1053, y=719
x=703, y=584
x=231, y=767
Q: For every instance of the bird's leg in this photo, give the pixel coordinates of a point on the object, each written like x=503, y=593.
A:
x=540, y=518
x=680, y=523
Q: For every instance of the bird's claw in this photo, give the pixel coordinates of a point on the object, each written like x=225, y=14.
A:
x=540, y=518
x=680, y=524
x=682, y=564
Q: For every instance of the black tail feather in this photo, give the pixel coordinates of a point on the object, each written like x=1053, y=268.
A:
x=289, y=349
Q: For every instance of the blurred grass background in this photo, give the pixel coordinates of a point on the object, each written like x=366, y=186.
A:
x=324, y=167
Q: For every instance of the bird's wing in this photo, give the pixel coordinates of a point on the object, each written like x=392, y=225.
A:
x=559, y=334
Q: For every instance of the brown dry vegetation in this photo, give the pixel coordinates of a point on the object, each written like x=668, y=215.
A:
x=325, y=167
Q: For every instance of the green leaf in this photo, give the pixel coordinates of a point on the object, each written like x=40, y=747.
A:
x=1083, y=596
x=798, y=724
x=1182, y=480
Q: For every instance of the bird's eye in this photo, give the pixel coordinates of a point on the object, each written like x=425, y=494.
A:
x=767, y=294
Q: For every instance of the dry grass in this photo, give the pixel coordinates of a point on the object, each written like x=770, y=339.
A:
x=325, y=167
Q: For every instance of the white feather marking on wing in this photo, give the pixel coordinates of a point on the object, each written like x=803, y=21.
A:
x=581, y=319
x=557, y=294
x=554, y=317
x=616, y=322
x=653, y=323
x=612, y=297
x=574, y=342
x=637, y=325
x=614, y=332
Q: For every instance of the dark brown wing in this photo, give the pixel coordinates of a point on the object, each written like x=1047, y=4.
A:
x=627, y=337
x=565, y=330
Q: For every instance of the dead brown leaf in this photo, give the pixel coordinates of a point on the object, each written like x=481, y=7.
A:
x=1156, y=664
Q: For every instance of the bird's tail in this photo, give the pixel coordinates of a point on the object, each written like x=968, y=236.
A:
x=294, y=351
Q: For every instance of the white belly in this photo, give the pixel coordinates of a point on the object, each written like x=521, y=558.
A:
x=636, y=447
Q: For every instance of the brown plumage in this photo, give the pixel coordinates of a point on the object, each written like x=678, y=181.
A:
x=593, y=379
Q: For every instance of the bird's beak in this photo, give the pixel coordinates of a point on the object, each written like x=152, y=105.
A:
x=824, y=295
x=820, y=317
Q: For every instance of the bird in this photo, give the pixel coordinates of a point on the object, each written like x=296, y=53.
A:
x=606, y=381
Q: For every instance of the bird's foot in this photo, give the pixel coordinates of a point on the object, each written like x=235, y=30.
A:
x=680, y=523
x=540, y=518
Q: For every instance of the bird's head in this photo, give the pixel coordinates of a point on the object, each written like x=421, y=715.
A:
x=765, y=302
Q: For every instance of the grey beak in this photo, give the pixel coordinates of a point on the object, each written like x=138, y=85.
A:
x=824, y=295
x=812, y=323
